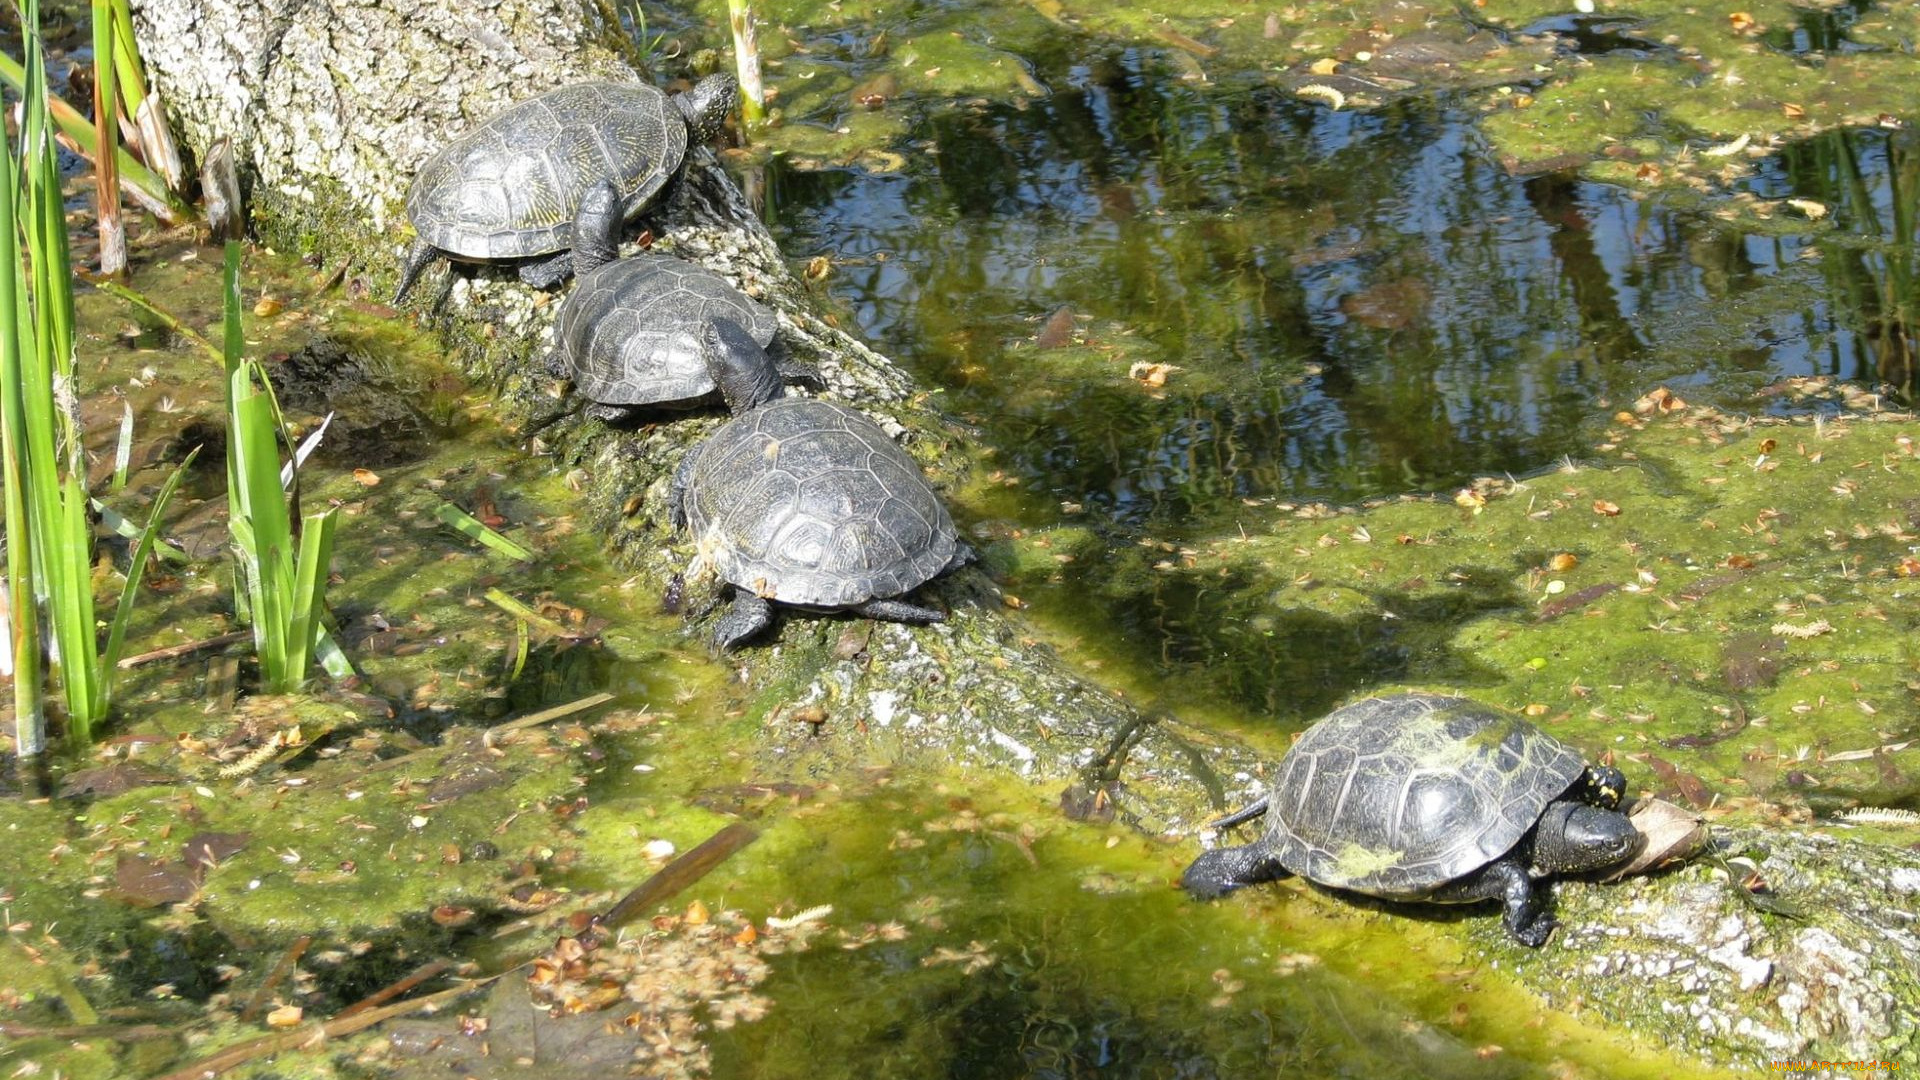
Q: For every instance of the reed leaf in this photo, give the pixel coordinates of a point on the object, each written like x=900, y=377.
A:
x=471, y=527
x=106, y=134
x=282, y=571
x=135, y=178
x=143, y=550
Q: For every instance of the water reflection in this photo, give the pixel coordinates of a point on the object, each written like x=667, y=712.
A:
x=1357, y=302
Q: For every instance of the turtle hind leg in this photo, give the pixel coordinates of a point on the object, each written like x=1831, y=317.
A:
x=418, y=256
x=612, y=415
x=1220, y=871
x=748, y=616
x=1506, y=880
x=548, y=270
x=899, y=611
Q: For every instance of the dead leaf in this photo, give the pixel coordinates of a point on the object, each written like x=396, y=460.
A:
x=1672, y=833
x=1154, y=375
x=1057, y=330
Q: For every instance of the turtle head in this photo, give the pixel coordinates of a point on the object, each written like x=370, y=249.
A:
x=596, y=227
x=706, y=105
x=1575, y=838
x=739, y=366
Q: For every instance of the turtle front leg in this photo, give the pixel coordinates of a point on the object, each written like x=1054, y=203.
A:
x=1220, y=871
x=418, y=256
x=899, y=611
x=1507, y=881
x=749, y=616
x=795, y=373
x=548, y=270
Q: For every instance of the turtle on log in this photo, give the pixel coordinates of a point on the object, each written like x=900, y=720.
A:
x=805, y=502
x=510, y=188
x=1431, y=798
x=629, y=335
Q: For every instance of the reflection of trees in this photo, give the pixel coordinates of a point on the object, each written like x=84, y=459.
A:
x=1871, y=180
x=1362, y=302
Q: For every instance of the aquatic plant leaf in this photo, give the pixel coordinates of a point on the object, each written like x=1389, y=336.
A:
x=468, y=526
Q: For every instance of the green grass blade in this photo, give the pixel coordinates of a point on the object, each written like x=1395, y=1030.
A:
x=522, y=644
x=168, y=319
x=123, y=449
x=310, y=587
x=333, y=659
x=54, y=465
x=468, y=526
x=23, y=623
x=136, y=569
x=117, y=524
x=527, y=615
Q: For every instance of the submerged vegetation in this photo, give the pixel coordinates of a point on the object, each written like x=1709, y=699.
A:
x=1265, y=387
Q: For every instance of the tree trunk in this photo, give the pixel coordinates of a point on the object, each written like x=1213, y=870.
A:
x=334, y=103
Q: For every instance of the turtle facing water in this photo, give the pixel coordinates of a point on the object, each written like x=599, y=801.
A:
x=1432, y=798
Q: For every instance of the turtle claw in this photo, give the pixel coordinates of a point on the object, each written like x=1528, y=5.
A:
x=1535, y=934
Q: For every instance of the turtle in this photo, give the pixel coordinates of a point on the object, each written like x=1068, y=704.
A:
x=805, y=502
x=629, y=334
x=509, y=188
x=1432, y=798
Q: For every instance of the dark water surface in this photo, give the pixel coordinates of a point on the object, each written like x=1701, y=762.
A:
x=1358, y=303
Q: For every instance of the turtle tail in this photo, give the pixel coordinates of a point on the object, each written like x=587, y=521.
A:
x=418, y=256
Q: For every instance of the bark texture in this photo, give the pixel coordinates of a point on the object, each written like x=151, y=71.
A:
x=332, y=105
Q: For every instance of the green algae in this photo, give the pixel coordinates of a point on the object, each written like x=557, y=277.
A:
x=1609, y=594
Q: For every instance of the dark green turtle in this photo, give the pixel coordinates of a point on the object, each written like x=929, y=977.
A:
x=805, y=502
x=629, y=335
x=509, y=189
x=1425, y=797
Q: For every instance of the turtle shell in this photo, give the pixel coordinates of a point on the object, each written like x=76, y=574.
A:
x=1396, y=796
x=630, y=330
x=509, y=188
x=809, y=502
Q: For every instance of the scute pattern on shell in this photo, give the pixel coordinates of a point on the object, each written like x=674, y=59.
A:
x=1397, y=796
x=509, y=188
x=808, y=502
x=630, y=330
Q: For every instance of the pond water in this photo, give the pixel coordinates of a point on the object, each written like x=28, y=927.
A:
x=1171, y=308
x=1351, y=305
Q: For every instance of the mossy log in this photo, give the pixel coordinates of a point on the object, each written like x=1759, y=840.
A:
x=333, y=104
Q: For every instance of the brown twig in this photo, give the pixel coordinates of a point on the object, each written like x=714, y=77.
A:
x=677, y=875
x=172, y=652
x=420, y=974
x=115, y=1032
x=291, y=957
x=548, y=715
x=269, y=1045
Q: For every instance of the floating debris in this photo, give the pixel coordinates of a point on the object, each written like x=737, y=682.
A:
x=1878, y=815
x=1325, y=93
